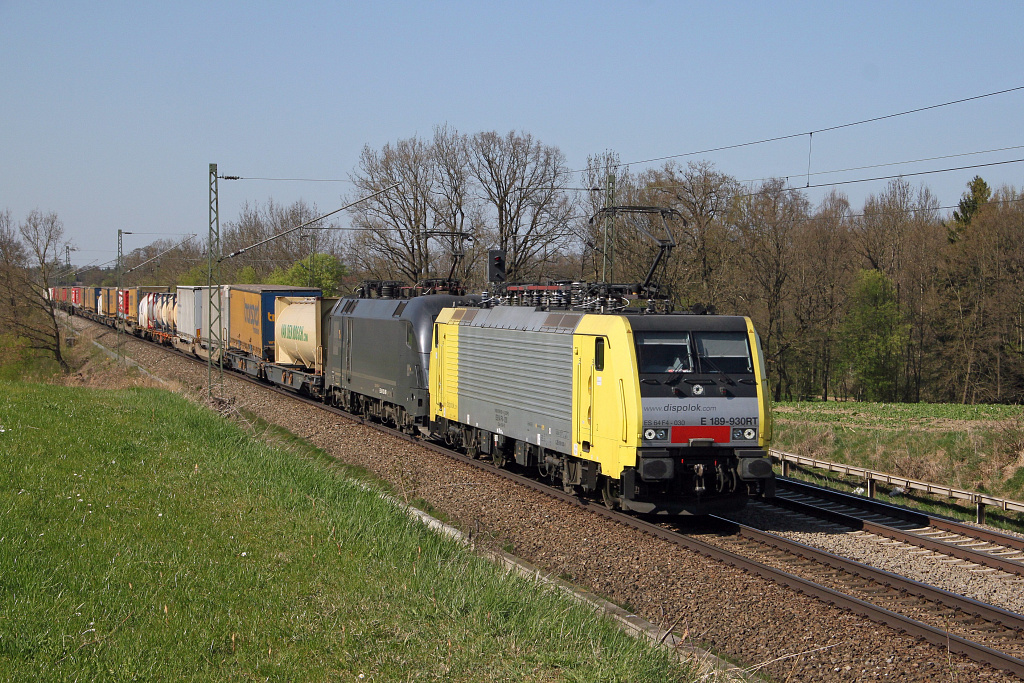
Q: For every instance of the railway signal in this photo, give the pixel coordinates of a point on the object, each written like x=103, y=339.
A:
x=496, y=265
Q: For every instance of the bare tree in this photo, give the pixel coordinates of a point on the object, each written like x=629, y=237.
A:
x=29, y=262
x=164, y=262
x=257, y=222
x=522, y=182
x=766, y=222
x=707, y=246
x=980, y=319
x=458, y=220
x=393, y=229
x=918, y=282
x=882, y=229
x=821, y=278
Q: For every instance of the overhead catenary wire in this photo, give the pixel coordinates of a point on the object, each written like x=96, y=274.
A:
x=298, y=180
x=862, y=180
x=190, y=237
x=839, y=170
x=904, y=175
x=896, y=163
x=790, y=136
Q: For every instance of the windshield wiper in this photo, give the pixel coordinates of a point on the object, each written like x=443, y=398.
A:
x=710, y=362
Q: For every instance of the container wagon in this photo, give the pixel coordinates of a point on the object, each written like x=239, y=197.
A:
x=250, y=339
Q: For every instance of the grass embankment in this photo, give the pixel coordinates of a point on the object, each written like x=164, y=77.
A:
x=978, y=448
x=18, y=362
x=144, y=537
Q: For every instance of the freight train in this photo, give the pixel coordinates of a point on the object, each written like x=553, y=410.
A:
x=652, y=412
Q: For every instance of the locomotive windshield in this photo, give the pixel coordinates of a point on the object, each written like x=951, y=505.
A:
x=726, y=352
x=664, y=352
x=705, y=352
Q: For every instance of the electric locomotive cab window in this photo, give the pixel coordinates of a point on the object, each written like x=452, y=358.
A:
x=599, y=353
x=726, y=352
x=660, y=352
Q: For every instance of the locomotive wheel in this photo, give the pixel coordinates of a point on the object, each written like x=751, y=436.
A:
x=610, y=494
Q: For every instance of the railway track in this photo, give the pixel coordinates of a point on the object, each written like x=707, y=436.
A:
x=985, y=547
x=980, y=632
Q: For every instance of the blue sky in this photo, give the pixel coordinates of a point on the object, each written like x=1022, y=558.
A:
x=112, y=112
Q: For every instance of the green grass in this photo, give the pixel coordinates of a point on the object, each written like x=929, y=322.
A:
x=977, y=448
x=889, y=414
x=143, y=537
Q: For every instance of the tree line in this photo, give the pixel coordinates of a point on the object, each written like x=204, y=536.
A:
x=889, y=301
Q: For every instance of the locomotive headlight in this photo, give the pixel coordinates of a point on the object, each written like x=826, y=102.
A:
x=655, y=434
x=749, y=433
x=698, y=389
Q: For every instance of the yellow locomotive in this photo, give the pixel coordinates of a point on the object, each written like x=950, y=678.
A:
x=656, y=413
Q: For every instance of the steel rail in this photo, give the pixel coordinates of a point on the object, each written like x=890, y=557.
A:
x=908, y=514
x=970, y=649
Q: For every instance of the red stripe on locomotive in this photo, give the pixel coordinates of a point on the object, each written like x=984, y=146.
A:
x=684, y=434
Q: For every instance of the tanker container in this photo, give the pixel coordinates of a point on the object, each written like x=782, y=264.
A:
x=145, y=312
x=301, y=328
x=149, y=311
x=130, y=299
x=165, y=311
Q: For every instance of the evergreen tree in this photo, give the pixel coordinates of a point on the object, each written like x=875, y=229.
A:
x=978, y=193
x=873, y=335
